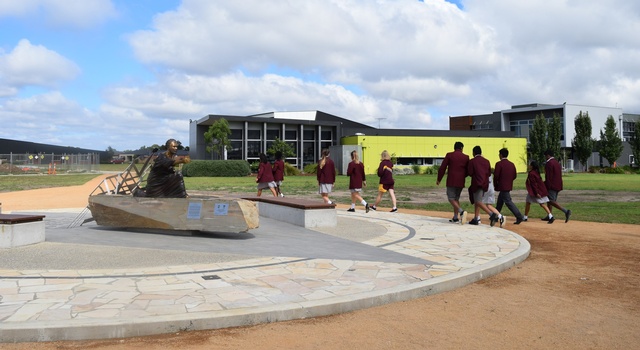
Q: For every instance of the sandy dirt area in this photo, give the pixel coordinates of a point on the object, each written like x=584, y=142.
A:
x=579, y=289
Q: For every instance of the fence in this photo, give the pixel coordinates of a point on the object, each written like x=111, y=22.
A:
x=48, y=163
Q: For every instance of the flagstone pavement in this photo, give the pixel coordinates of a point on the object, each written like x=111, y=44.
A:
x=88, y=282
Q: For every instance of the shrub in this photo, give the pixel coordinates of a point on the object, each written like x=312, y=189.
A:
x=617, y=170
x=290, y=170
x=254, y=166
x=416, y=169
x=311, y=168
x=216, y=168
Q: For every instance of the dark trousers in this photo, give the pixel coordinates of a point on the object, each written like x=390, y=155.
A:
x=505, y=198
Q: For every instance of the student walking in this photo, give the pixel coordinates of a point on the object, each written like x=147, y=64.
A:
x=278, y=173
x=265, y=176
x=326, y=175
x=385, y=172
x=479, y=169
x=503, y=176
x=455, y=164
x=357, y=179
x=536, y=192
x=553, y=182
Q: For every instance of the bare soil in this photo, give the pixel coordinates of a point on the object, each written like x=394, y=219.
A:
x=579, y=289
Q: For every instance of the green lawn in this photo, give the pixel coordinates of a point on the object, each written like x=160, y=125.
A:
x=614, y=212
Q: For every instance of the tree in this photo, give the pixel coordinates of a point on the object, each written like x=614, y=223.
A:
x=285, y=148
x=217, y=137
x=538, y=138
x=554, y=133
x=582, y=141
x=635, y=143
x=610, y=142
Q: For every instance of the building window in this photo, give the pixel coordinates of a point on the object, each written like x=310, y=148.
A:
x=326, y=139
x=309, y=135
x=236, y=150
x=253, y=135
x=254, y=144
x=308, y=153
x=235, y=139
x=291, y=135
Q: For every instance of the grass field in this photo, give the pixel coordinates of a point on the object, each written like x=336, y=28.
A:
x=602, y=211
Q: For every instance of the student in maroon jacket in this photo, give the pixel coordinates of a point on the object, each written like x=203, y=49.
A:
x=479, y=169
x=357, y=180
x=326, y=175
x=536, y=192
x=553, y=182
x=278, y=172
x=385, y=172
x=265, y=176
x=455, y=163
x=503, y=177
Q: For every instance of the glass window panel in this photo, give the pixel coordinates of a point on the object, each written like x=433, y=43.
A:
x=272, y=134
x=308, y=153
x=291, y=134
x=253, y=134
x=253, y=148
x=236, y=134
x=309, y=135
x=236, y=150
x=326, y=135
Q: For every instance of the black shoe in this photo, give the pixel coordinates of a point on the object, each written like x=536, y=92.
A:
x=492, y=219
x=550, y=221
x=502, y=221
x=394, y=210
x=567, y=215
x=454, y=220
x=546, y=218
x=351, y=210
x=474, y=221
x=518, y=221
x=373, y=207
x=366, y=208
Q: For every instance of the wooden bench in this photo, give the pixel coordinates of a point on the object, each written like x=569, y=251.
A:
x=20, y=230
x=302, y=212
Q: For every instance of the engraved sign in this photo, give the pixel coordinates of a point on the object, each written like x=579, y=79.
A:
x=193, y=211
x=221, y=209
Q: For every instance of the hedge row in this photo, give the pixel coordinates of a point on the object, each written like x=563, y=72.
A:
x=216, y=168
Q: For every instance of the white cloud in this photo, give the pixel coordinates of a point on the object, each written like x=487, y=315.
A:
x=62, y=13
x=34, y=65
x=413, y=63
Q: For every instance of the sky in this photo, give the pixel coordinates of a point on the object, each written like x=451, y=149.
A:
x=131, y=73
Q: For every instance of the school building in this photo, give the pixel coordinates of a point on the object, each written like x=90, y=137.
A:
x=309, y=132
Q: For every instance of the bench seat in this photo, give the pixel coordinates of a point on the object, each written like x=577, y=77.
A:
x=301, y=212
x=20, y=230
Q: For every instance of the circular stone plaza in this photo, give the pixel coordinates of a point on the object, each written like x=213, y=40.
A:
x=91, y=282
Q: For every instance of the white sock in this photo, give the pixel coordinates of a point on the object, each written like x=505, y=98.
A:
x=329, y=202
x=353, y=205
x=364, y=202
x=550, y=216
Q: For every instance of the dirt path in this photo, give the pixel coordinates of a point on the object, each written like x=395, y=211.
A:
x=579, y=289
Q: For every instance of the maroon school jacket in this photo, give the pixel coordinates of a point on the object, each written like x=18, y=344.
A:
x=456, y=163
x=504, y=175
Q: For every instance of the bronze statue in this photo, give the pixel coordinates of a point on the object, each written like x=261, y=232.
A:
x=163, y=180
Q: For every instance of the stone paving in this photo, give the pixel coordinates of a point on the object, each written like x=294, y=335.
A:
x=75, y=303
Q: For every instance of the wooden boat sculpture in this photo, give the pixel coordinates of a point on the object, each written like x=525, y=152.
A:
x=113, y=204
